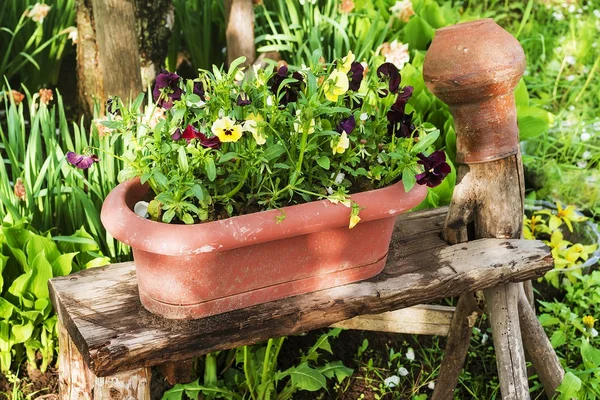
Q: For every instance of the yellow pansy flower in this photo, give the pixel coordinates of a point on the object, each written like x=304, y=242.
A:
x=300, y=127
x=339, y=145
x=346, y=63
x=226, y=130
x=336, y=85
x=566, y=215
x=251, y=125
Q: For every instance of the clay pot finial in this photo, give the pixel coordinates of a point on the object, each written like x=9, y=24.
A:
x=474, y=67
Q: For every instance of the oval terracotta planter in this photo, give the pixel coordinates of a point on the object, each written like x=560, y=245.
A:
x=193, y=271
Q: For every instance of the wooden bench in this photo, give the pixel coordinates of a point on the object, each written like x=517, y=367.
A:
x=109, y=340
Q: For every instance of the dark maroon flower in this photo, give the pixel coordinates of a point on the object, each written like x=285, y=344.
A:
x=391, y=74
x=81, y=161
x=167, y=83
x=199, y=90
x=396, y=113
x=112, y=107
x=436, y=168
x=406, y=126
x=243, y=100
x=356, y=75
x=290, y=89
x=347, y=125
x=190, y=133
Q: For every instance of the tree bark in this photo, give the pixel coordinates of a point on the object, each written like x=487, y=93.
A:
x=240, y=30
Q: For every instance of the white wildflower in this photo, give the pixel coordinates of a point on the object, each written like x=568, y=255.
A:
x=395, y=53
x=558, y=16
x=572, y=8
x=570, y=60
x=269, y=100
x=582, y=164
x=570, y=78
x=596, y=13
x=410, y=354
x=73, y=36
x=329, y=190
x=586, y=155
x=339, y=178
x=392, y=381
x=594, y=332
x=364, y=116
x=402, y=371
x=431, y=385
x=484, y=338
x=585, y=137
x=38, y=12
x=403, y=10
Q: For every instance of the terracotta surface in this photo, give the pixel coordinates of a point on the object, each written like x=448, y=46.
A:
x=474, y=68
x=193, y=271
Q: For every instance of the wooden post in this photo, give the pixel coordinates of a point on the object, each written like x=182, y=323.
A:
x=474, y=68
x=77, y=382
x=240, y=30
x=118, y=47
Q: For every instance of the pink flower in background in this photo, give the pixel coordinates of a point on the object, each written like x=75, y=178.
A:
x=38, y=12
x=403, y=10
x=395, y=53
x=82, y=161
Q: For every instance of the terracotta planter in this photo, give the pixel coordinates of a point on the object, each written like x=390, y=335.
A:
x=193, y=271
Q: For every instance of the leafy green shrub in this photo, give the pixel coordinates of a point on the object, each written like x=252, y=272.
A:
x=27, y=261
x=36, y=182
x=33, y=37
x=254, y=375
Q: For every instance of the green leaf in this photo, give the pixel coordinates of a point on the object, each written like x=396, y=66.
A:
x=306, y=378
x=227, y=156
x=569, y=387
x=41, y=274
x=337, y=369
x=161, y=179
x=408, y=179
x=418, y=33
x=37, y=244
x=558, y=339
x=590, y=354
x=22, y=332
x=187, y=219
x=533, y=121
x=274, y=152
x=521, y=94
x=6, y=309
x=323, y=161
x=425, y=141
x=63, y=264
x=548, y=320
x=211, y=170
x=198, y=192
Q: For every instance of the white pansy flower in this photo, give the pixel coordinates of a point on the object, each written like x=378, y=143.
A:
x=410, y=354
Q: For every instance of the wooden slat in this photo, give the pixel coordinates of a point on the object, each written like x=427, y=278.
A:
x=417, y=320
x=102, y=313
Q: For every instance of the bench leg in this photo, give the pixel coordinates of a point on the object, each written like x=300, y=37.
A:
x=459, y=338
x=503, y=311
x=78, y=382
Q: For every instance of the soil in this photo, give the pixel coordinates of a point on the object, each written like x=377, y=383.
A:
x=32, y=382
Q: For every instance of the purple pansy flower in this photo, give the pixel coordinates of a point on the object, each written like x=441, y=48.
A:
x=436, y=168
x=81, y=161
x=243, y=100
x=190, y=133
x=199, y=90
x=391, y=73
x=290, y=90
x=347, y=125
x=396, y=113
x=167, y=83
x=356, y=75
x=406, y=126
x=112, y=107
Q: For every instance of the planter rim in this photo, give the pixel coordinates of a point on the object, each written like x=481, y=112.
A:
x=179, y=240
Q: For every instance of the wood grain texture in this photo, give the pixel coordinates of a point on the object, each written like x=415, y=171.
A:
x=240, y=30
x=118, y=51
x=75, y=380
x=503, y=310
x=457, y=345
x=101, y=310
x=538, y=347
x=128, y=385
x=417, y=320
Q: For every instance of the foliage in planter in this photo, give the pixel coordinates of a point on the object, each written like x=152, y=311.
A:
x=36, y=181
x=252, y=373
x=33, y=37
x=228, y=143
x=28, y=260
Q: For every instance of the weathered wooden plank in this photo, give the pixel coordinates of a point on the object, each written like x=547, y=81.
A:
x=76, y=381
x=417, y=320
x=105, y=319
